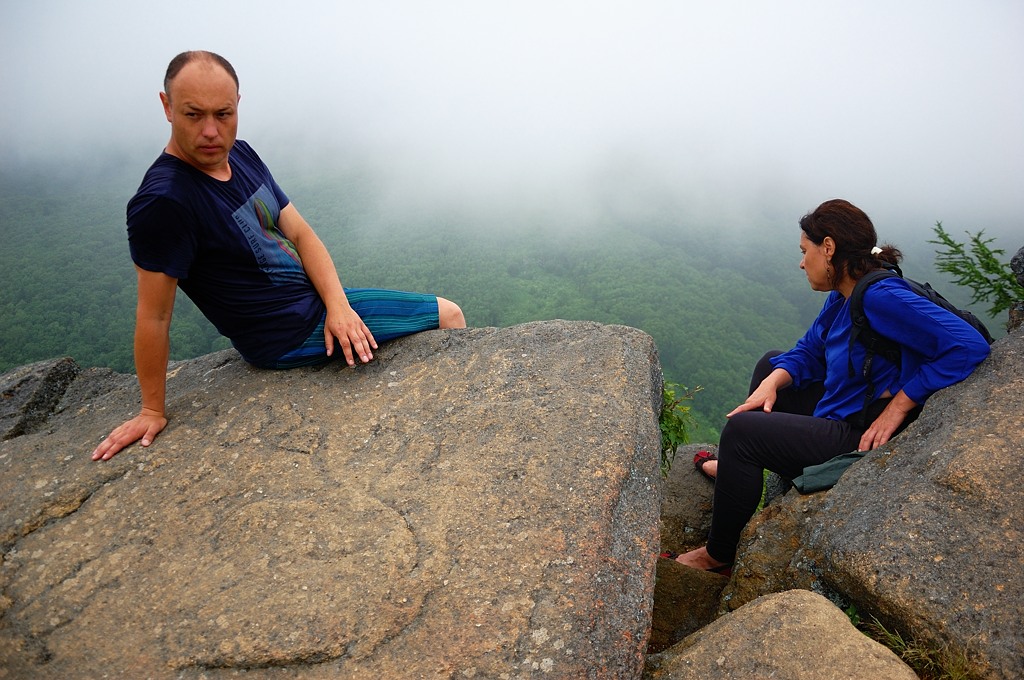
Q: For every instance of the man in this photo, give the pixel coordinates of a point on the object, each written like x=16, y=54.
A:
x=209, y=218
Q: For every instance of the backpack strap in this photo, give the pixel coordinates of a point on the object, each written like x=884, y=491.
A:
x=861, y=331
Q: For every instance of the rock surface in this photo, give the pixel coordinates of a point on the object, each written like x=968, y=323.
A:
x=795, y=635
x=686, y=507
x=1016, y=319
x=1016, y=315
x=1017, y=266
x=30, y=393
x=772, y=555
x=685, y=600
x=478, y=503
x=938, y=550
x=923, y=533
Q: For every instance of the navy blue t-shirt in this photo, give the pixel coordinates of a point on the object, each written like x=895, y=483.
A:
x=221, y=241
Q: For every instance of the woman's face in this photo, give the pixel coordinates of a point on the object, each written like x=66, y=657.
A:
x=815, y=262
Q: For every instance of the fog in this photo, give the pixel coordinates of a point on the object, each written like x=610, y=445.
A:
x=738, y=111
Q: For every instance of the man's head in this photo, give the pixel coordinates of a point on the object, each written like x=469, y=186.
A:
x=180, y=61
x=200, y=101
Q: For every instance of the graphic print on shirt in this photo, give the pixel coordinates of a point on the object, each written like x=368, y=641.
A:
x=257, y=220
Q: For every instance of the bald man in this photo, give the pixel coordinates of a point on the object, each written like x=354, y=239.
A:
x=210, y=219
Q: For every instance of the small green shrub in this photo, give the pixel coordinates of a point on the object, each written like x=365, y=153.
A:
x=675, y=421
x=980, y=269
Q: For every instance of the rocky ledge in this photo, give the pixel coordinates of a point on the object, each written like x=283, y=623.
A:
x=483, y=503
x=478, y=503
x=922, y=535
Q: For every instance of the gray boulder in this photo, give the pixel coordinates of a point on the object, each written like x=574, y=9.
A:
x=29, y=394
x=1016, y=315
x=772, y=557
x=478, y=503
x=1016, y=319
x=1017, y=266
x=795, y=635
x=922, y=534
x=685, y=600
x=686, y=507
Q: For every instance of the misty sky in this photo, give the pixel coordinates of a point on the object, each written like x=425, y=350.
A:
x=912, y=109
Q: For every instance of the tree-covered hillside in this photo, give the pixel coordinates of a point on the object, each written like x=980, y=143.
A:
x=712, y=299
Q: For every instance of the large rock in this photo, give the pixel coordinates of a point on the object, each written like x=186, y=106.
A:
x=686, y=507
x=478, y=503
x=1017, y=266
x=926, y=533
x=685, y=599
x=772, y=556
x=29, y=394
x=1016, y=315
x=923, y=534
x=795, y=635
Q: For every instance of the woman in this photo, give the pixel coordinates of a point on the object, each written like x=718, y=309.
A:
x=804, y=407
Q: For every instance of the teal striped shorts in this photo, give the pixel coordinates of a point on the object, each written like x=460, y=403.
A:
x=389, y=314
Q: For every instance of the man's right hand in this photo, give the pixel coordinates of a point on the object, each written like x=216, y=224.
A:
x=152, y=347
x=145, y=427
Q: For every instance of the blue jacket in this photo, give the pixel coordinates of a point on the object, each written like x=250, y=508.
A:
x=938, y=349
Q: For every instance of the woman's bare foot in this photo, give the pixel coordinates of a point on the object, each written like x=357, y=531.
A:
x=700, y=559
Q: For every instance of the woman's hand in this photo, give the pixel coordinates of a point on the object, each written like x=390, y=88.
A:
x=887, y=422
x=766, y=393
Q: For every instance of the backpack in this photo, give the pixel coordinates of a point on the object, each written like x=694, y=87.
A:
x=862, y=332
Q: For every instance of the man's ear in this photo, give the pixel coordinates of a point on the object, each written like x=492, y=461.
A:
x=166, y=101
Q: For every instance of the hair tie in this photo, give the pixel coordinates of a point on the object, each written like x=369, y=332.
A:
x=876, y=251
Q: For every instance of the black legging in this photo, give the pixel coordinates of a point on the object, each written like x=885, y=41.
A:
x=784, y=441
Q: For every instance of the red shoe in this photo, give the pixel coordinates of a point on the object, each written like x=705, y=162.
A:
x=702, y=457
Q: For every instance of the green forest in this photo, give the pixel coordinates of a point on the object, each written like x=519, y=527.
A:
x=712, y=298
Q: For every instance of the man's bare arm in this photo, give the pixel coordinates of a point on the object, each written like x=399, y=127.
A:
x=152, y=349
x=342, y=321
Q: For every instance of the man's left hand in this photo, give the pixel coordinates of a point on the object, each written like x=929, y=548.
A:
x=351, y=333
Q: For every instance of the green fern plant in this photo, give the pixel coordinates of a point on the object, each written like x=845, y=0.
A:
x=979, y=269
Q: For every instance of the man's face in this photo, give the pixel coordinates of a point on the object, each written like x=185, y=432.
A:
x=202, y=108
